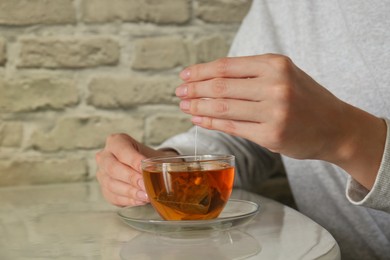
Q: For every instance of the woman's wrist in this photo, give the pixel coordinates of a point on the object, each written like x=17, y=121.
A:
x=360, y=150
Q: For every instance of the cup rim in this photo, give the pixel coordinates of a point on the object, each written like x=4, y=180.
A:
x=195, y=158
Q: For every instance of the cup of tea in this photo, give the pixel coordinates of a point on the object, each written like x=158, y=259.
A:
x=189, y=187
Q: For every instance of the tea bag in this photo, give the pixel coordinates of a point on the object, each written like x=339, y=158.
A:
x=190, y=192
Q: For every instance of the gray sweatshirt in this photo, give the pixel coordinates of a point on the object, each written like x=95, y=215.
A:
x=345, y=46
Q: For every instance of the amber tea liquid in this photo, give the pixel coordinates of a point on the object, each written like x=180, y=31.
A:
x=189, y=193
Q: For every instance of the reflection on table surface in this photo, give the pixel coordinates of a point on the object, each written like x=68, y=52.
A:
x=233, y=244
x=72, y=221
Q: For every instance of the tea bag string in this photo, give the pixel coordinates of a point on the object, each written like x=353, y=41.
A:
x=196, y=142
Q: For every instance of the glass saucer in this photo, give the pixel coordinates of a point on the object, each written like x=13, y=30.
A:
x=145, y=218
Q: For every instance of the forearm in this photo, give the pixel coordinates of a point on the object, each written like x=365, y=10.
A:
x=360, y=149
x=377, y=196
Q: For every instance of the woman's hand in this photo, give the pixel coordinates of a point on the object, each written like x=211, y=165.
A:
x=119, y=170
x=270, y=101
x=265, y=99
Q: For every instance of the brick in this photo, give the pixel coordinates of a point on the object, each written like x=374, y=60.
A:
x=130, y=91
x=162, y=126
x=222, y=11
x=31, y=12
x=211, y=48
x=159, y=53
x=68, y=52
x=41, y=171
x=75, y=133
x=155, y=11
x=3, y=55
x=11, y=134
x=34, y=93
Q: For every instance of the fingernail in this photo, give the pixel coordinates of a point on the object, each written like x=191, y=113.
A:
x=141, y=184
x=185, y=74
x=185, y=105
x=196, y=119
x=182, y=91
x=142, y=195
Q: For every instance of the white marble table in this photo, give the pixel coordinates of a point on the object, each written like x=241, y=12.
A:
x=72, y=221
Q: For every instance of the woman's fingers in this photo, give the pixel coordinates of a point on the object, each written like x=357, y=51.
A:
x=119, y=181
x=232, y=109
x=114, y=189
x=119, y=200
x=119, y=171
x=263, y=134
x=123, y=148
x=249, y=130
x=245, y=89
x=237, y=67
x=123, y=189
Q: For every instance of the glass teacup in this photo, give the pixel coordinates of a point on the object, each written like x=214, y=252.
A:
x=189, y=187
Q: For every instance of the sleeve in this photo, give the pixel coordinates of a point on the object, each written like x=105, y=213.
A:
x=379, y=196
x=254, y=163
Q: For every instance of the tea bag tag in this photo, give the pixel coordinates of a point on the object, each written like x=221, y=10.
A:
x=166, y=177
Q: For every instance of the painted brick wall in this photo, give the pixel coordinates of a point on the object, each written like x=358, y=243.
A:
x=74, y=71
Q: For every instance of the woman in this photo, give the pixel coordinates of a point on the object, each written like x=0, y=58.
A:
x=331, y=127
